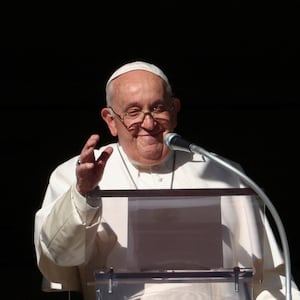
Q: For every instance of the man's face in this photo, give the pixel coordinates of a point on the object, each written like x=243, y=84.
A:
x=142, y=137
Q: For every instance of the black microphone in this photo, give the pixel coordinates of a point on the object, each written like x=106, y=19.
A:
x=175, y=142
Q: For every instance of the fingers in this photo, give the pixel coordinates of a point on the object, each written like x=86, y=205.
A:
x=104, y=156
x=91, y=142
x=89, y=171
x=87, y=152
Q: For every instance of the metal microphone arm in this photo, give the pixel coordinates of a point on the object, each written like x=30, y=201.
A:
x=196, y=149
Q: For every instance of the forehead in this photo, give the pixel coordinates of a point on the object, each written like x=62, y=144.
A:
x=138, y=83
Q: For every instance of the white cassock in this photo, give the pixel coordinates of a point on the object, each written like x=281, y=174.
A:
x=73, y=239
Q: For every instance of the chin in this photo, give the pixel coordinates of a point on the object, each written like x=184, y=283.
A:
x=153, y=158
x=148, y=155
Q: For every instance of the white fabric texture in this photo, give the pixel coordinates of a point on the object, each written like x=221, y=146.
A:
x=73, y=239
x=138, y=65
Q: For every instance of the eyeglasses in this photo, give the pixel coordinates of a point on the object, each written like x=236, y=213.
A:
x=135, y=116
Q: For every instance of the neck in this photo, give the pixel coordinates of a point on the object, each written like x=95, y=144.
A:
x=151, y=166
x=167, y=166
x=154, y=167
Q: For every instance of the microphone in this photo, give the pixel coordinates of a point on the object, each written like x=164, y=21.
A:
x=175, y=142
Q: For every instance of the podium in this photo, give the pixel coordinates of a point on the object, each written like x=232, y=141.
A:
x=184, y=244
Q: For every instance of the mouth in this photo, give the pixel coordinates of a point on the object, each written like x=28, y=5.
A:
x=152, y=136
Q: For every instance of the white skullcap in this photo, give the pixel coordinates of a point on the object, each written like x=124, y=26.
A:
x=138, y=65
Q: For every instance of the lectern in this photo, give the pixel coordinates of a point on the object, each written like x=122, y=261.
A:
x=190, y=243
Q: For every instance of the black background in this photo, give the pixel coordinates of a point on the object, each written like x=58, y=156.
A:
x=236, y=73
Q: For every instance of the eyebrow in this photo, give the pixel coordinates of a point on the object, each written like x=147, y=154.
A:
x=138, y=104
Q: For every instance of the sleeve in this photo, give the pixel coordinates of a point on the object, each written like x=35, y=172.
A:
x=273, y=285
x=65, y=220
x=68, y=229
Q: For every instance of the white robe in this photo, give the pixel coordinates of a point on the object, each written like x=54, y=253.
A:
x=73, y=239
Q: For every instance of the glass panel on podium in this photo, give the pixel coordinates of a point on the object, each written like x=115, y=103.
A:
x=181, y=244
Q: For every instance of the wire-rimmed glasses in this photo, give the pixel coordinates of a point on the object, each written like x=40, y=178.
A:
x=134, y=116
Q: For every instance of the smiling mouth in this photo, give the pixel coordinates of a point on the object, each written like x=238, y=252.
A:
x=151, y=136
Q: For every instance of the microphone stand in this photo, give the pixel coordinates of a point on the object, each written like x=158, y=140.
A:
x=196, y=149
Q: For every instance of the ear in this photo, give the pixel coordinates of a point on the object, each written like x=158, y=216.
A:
x=177, y=106
x=109, y=119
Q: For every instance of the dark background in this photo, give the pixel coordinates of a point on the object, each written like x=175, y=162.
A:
x=237, y=75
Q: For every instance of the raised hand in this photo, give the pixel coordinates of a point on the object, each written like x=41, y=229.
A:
x=89, y=170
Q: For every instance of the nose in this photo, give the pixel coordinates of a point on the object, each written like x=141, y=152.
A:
x=148, y=121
